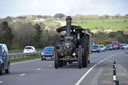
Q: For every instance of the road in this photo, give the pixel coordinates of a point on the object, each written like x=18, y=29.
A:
x=99, y=72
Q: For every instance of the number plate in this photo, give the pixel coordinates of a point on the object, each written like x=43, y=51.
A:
x=48, y=58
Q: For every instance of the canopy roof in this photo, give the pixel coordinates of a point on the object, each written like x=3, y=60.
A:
x=76, y=28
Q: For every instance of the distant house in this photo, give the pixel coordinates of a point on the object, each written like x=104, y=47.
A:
x=94, y=31
x=16, y=20
x=108, y=30
x=38, y=20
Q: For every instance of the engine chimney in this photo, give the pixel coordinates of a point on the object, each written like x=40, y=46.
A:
x=68, y=26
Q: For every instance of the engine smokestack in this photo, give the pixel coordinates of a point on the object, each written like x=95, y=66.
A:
x=68, y=26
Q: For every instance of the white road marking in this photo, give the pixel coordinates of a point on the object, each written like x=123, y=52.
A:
x=114, y=78
x=25, y=61
x=23, y=74
x=124, y=54
x=85, y=74
x=38, y=69
x=1, y=82
x=50, y=65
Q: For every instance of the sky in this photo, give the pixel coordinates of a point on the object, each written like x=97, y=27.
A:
x=67, y=7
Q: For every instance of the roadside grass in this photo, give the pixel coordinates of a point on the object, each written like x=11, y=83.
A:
x=103, y=24
x=126, y=53
x=15, y=51
x=24, y=59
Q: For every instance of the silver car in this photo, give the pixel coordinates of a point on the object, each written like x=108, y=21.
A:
x=102, y=48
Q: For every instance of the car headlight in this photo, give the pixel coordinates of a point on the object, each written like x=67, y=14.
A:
x=42, y=53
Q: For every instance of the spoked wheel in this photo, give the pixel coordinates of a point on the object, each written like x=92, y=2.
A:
x=85, y=56
x=56, y=60
x=80, y=59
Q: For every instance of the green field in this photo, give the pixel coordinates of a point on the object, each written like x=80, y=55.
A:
x=104, y=24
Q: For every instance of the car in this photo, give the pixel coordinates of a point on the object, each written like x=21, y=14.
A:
x=73, y=45
x=29, y=49
x=102, y=48
x=4, y=59
x=47, y=53
x=115, y=45
x=123, y=46
x=109, y=47
x=95, y=48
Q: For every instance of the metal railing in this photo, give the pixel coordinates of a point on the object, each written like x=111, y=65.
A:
x=22, y=55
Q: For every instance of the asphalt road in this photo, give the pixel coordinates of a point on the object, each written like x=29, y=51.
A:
x=99, y=72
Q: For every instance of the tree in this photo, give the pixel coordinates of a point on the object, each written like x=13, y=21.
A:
x=24, y=35
x=117, y=15
x=7, y=35
x=59, y=15
x=106, y=16
x=38, y=34
x=126, y=15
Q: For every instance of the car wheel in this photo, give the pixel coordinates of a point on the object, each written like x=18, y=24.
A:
x=1, y=71
x=42, y=58
x=8, y=69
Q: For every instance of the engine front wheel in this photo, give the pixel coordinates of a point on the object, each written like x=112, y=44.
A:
x=56, y=63
x=85, y=56
x=80, y=59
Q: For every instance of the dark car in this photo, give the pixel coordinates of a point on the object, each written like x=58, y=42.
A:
x=96, y=48
x=4, y=59
x=109, y=47
x=122, y=46
x=47, y=53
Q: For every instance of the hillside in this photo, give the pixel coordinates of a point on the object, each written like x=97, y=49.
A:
x=94, y=23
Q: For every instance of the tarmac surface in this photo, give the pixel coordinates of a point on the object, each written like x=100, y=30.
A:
x=98, y=72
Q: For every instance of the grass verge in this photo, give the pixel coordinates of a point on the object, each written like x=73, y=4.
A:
x=24, y=59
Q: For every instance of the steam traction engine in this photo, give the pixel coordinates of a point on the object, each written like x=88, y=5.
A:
x=75, y=45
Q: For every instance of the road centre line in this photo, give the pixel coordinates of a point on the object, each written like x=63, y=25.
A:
x=86, y=73
x=38, y=69
x=23, y=74
x=1, y=82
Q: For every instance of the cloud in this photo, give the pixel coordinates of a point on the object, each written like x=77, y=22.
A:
x=69, y=7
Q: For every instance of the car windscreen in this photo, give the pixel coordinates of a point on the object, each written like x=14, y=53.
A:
x=0, y=50
x=94, y=47
x=108, y=46
x=113, y=44
x=101, y=46
x=48, y=49
x=28, y=47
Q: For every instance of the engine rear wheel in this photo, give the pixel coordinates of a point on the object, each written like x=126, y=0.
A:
x=85, y=56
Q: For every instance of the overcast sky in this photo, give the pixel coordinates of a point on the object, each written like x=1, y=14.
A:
x=68, y=7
